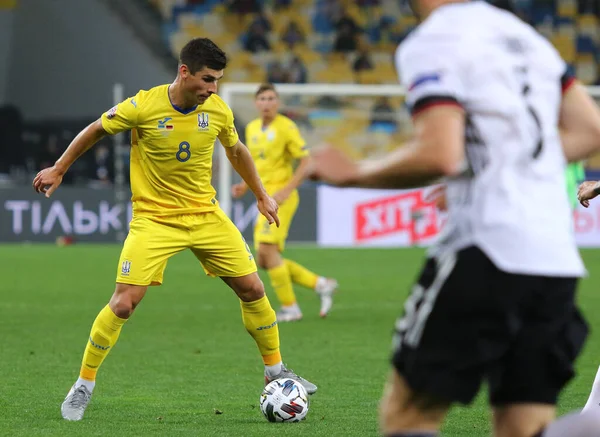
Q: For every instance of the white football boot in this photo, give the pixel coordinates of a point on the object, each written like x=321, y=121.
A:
x=290, y=313
x=287, y=373
x=75, y=403
x=325, y=288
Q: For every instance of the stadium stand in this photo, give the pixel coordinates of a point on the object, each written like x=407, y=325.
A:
x=349, y=41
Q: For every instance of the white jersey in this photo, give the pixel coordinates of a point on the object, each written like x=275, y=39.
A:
x=510, y=200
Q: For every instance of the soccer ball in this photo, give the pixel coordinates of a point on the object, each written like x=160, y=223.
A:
x=284, y=400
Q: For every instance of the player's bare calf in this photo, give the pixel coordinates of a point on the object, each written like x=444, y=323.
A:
x=126, y=298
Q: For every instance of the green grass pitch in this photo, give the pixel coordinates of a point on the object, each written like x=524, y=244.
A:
x=185, y=353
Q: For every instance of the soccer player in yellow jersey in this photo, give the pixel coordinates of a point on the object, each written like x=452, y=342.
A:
x=275, y=144
x=174, y=128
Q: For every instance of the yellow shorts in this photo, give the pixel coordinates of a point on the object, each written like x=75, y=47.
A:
x=271, y=234
x=212, y=237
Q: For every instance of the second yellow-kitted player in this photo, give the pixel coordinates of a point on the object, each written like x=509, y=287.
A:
x=276, y=144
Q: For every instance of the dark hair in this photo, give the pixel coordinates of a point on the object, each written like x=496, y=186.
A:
x=265, y=87
x=200, y=53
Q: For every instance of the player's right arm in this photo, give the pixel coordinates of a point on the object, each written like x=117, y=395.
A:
x=297, y=150
x=579, y=123
x=118, y=119
x=48, y=180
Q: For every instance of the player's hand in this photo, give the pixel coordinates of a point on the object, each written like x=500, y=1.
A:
x=587, y=191
x=332, y=166
x=47, y=181
x=437, y=196
x=268, y=207
x=238, y=190
x=281, y=196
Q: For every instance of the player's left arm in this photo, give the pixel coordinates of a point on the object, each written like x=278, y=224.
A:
x=242, y=162
x=300, y=175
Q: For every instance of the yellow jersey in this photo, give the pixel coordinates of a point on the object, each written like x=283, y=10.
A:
x=274, y=149
x=171, y=150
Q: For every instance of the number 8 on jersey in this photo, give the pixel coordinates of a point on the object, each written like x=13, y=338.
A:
x=184, y=153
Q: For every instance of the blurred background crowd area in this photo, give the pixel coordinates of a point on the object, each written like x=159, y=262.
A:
x=290, y=41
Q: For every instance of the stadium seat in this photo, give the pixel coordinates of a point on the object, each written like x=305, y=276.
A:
x=307, y=55
x=585, y=45
x=566, y=46
x=587, y=25
x=586, y=68
x=567, y=8
x=576, y=37
x=593, y=163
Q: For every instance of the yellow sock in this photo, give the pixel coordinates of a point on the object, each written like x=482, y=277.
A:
x=282, y=284
x=259, y=320
x=301, y=275
x=104, y=335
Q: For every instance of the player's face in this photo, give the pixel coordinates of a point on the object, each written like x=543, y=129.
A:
x=201, y=85
x=267, y=103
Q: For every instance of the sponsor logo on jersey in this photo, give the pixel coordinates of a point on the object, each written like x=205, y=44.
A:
x=133, y=103
x=164, y=124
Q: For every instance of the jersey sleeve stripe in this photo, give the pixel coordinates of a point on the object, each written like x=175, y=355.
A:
x=567, y=81
x=431, y=101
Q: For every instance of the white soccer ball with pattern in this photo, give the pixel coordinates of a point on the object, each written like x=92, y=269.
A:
x=284, y=400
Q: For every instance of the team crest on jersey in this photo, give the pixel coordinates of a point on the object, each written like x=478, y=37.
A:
x=125, y=268
x=110, y=114
x=203, y=121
